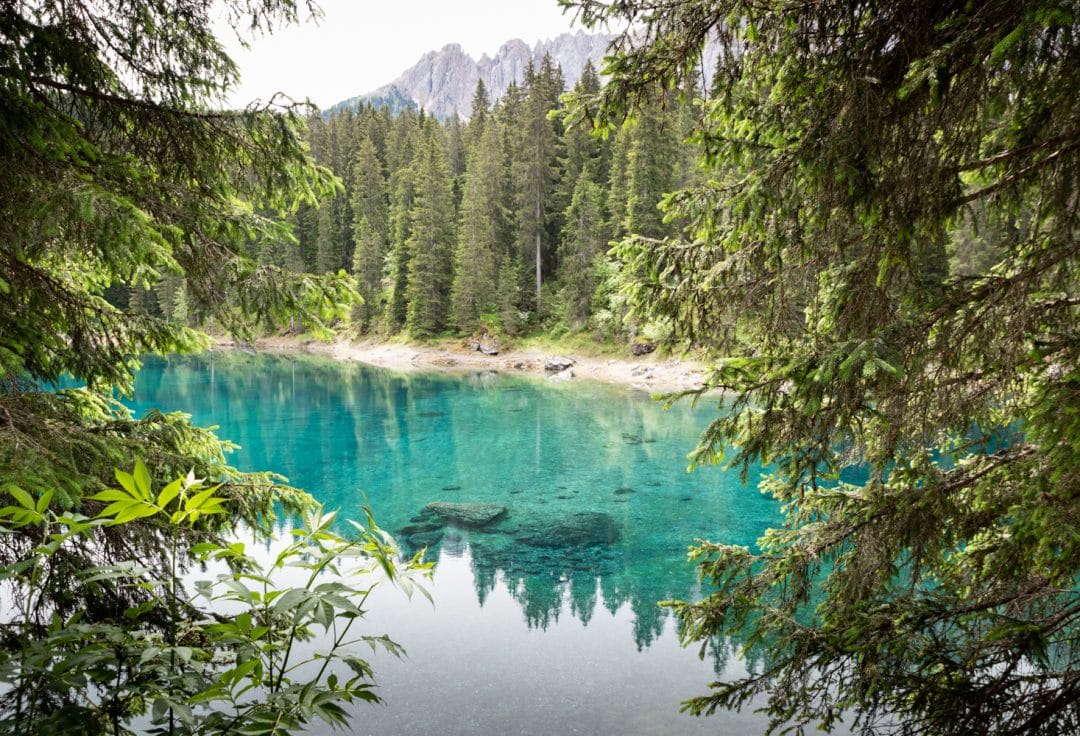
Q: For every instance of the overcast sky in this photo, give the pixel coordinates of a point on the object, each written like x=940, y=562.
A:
x=360, y=45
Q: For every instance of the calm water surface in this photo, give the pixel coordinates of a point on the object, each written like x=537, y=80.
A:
x=544, y=622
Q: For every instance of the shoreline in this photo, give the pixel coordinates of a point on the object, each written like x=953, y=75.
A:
x=648, y=372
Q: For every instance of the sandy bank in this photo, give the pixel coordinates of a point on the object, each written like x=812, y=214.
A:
x=649, y=372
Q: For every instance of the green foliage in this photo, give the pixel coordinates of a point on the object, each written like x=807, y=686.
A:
x=512, y=171
x=130, y=208
x=651, y=160
x=848, y=149
x=369, y=230
x=115, y=170
x=482, y=231
x=430, y=244
x=118, y=176
x=584, y=236
x=174, y=663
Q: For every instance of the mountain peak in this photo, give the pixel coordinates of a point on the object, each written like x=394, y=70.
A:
x=442, y=82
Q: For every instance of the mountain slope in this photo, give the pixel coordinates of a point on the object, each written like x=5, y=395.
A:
x=443, y=81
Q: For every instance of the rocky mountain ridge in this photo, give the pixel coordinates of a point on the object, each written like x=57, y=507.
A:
x=442, y=82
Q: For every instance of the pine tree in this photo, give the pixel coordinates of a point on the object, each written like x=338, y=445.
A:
x=535, y=172
x=401, y=156
x=582, y=239
x=481, y=105
x=482, y=230
x=618, y=189
x=370, y=229
x=431, y=242
x=652, y=158
x=921, y=425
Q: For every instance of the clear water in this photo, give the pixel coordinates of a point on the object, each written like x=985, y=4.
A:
x=546, y=621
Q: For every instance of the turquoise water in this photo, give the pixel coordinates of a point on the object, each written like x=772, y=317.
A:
x=546, y=619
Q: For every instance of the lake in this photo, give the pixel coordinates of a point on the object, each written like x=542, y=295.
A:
x=546, y=620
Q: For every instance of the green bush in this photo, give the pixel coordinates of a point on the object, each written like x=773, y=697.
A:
x=174, y=662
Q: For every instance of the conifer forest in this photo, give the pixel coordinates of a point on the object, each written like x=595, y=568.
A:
x=855, y=225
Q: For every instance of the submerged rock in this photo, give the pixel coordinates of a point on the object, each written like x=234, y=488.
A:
x=422, y=528
x=467, y=515
x=417, y=541
x=623, y=491
x=583, y=529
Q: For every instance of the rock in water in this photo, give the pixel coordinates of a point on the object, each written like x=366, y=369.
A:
x=558, y=364
x=467, y=515
x=583, y=529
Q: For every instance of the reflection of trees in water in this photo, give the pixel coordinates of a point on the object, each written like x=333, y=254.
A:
x=277, y=408
x=549, y=582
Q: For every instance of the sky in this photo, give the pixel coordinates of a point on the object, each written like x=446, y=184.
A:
x=360, y=45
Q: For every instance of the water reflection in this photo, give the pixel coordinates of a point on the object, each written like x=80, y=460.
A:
x=599, y=508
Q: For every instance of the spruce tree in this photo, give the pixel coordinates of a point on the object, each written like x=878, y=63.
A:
x=401, y=155
x=535, y=171
x=119, y=167
x=367, y=262
x=617, y=185
x=583, y=237
x=482, y=230
x=328, y=255
x=370, y=229
x=431, y=243
x=580, y=148
x=652, y=158
x=921, y=425
x=480, y=108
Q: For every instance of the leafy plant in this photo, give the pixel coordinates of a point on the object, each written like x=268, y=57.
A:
x=223, y=657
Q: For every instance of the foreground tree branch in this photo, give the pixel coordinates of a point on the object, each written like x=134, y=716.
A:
x=885, y=261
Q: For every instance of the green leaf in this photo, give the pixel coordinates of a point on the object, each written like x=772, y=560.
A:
x=169, y=492
x=43, y=501
x=290, y=599
x=134, y=511
x=127, y=482
x=195, y=503
x=112, y=494
x=159, y=710
x=142, y=480
x=21, y=497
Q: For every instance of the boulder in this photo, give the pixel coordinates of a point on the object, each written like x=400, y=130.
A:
x=565, y=375
x=467, y=515
x=583, y=529
x=558, y=364
x=484, y=343
x=642, y=348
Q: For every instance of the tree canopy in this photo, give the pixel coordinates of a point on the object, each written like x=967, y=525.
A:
x=119, y=170
x=120, y=173
x=885, y=254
